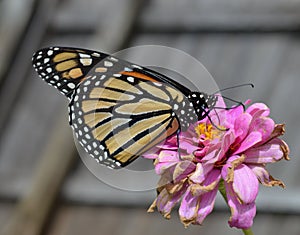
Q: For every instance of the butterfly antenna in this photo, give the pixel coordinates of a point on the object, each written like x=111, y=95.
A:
x=178, y=145
x=239, y=103
x=232, y=87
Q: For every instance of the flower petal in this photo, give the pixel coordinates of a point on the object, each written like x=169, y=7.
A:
x=264, y=177
x=166, y=159
x=270, y=152
x=242, y=214
x=206, y=205
x=245, y=184
x=165, y=201
x=241, y=126
x=251, y=139
x=182, y=170
x=258, y=109
x=200, y=174
x=188, y=208
x=264, y=125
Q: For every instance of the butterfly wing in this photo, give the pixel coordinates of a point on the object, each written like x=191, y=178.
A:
x=118, y=110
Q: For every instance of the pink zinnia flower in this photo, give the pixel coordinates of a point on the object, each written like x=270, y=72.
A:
x=211, y=157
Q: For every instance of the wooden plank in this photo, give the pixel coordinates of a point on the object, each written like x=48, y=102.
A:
x=32, y=212
x=176, y=17
x=111, y=220
x=16, y=77
x=12, y=29
x=217, y=15
x=5, y=211
x=78, y=16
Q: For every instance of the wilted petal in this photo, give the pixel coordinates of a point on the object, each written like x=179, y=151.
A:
x=267, y=153
x=201, y=172
x=168, y=156
x=188, y=208
x=161, y=167
x=165, y=201
x=166, y=159
x=242, y=214
x=183, y=169
x=211, y=181
x=206, y=205
x=264, y=177
x=278, y=131
x=228, y=169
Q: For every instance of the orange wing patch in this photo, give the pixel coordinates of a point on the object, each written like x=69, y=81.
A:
x=139, y=75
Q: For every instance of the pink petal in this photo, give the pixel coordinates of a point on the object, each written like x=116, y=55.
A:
x=165, y=202
x=199, y=174
x=264, y=125
x=161, y=167
x=241, y=214
x=182, y=170
x=210, y=178
x=166, y=159
x=235, y=112
x=188, y=207
x=264, y=177
x=261, y=173
x=206, y=205
x=232, y=115
x=168, y=156
x=251, y=139
x=258, y=109
x=220, y=148
x=267, y=153
x=241, y=126
x=188, y=145
x=245, y=184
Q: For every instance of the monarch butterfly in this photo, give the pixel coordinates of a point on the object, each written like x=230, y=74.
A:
x=119, y=110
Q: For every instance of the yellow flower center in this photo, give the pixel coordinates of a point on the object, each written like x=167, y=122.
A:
x=208, y=131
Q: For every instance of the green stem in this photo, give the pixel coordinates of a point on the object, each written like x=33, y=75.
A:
x=222, y=190
x=248, y=231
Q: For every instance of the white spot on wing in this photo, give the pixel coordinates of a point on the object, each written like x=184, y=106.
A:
x=86, y=61
x=108, y=64
x=71, y=85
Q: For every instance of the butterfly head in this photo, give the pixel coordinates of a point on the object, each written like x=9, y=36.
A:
x=202, y=103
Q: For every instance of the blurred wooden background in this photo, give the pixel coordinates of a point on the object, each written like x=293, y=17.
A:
x=237, y=41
